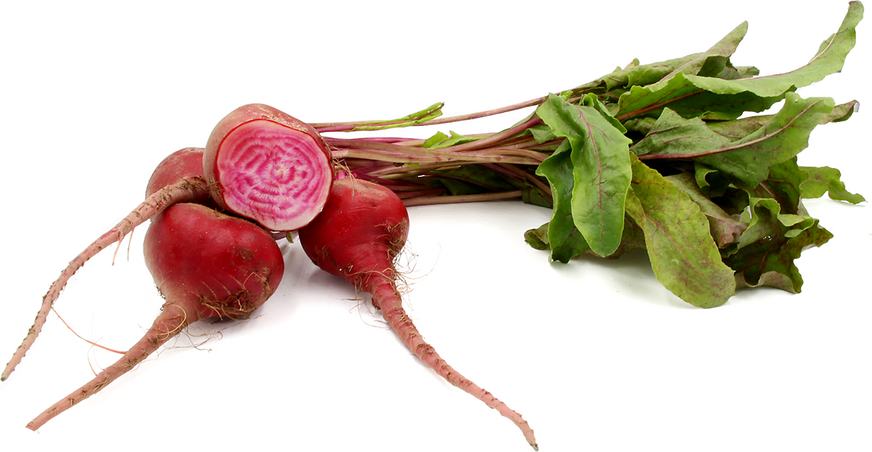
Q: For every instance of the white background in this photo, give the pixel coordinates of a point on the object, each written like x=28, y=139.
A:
x=597, y=355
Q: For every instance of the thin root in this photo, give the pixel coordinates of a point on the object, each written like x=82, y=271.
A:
x=82, y=338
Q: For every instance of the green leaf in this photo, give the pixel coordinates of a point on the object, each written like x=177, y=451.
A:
x=783, y=184
x=783, y=137
x=673, y=134
x=692, y=95
x=633, y=238
x=841, y=112
x=682, y=252
x=642, y=126
x=709, y=180
x=601, y=172
x=534, y=194
x=440, y=140
x=437, y=138
x=770, y=261
x=541, y=133
x=538, y=238
x=468, y=179
x=739, y=128
x=716, y=56
x=636, y=74
x=825, y=179
x=724, y=228
x=417, y=118
x=750, y=158
x=767, y=222
x=564, y=239
x=731, y=72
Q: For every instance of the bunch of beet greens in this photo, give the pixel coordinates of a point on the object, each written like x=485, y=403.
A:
x=662, y=157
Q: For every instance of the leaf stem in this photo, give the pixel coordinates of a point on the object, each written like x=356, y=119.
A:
x=434, y=200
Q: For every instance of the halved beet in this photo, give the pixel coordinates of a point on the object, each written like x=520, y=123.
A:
x=266, y=165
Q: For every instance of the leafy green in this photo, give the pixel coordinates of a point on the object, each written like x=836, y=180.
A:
x=673, y=135
x=747, y=159
x=636, y=74
x=691, y=159
x=769, y=261
x=469, y=179
x=826, y=179
x=665, y=156
x=568, y=241
x=419, y=117
x=682, y=253
x=695, y=95
x=724, y=228
x=600, y=168
x=440, y=140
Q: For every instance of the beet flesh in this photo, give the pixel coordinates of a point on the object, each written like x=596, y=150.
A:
x=268, y=166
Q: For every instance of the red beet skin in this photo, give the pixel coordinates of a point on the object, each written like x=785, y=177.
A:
x=184, y=164
x=357, y=236
x=266, y=165
x=205, y=264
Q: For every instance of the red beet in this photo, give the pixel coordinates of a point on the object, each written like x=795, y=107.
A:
x=357, y=236
x=205, y=264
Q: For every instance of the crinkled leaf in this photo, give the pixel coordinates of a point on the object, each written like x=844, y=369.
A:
x=766, y=222
x=709, y=180
x=538, y=238
x=770, y=261
x=599, y=158
x=827, y=180
x=682, y=253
